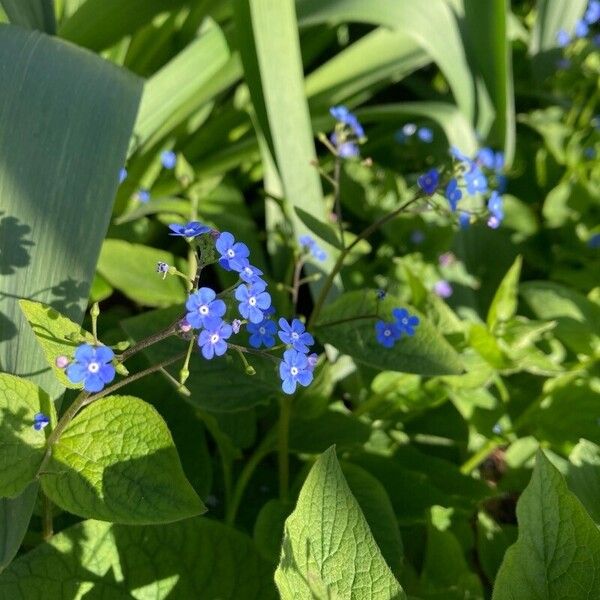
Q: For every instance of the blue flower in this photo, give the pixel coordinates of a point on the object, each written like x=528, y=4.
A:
x=40, y=420
x=202, y=305
x=253, y=300
x=429, y=182
x=476, y=181
x=486, y=157
x=343, y=115
x=592, y=14
x=233, y=254
x=345, y=149
x=562, y=38
x=168, y=158
x=381, y=294
x=189, y=230
x=92, y=366
x=122, y=174
x=459, y=156
x=496, y=209
x=581, y=29
x=313, y=359
x=443, y=289
x=425, y=134
x=212, y=338
x=143, y=195
x=453, y=194
x=464, y=220
x=236, y=325
x=307, y=242
x=295, y=333
x=294, y=369
x=262, y=334
x=249, y=273
x=405, y=322
x=386, y=334
x=409, y=129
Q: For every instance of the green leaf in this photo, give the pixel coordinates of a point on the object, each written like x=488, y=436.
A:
x=578, y=319
x=273, y=69
x=493, y=540
x=316, y=435
x=553, y=15
x=328, y=550
x=557, y=553
x=197, y=558
x=99, y=24
x=53, y=203
x=426, y=353
x=131, y=268
x=33, y=14
x=504, y=304
x=379, y=513
x=176, y=91
x=53, y=332
x=116, y=461
x=489, y=47
x=221, y=384
x=583, y=476
x=417, y=20
x=268, y=529
x=22, y=448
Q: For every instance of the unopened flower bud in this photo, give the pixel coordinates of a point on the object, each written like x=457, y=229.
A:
x=61, y=362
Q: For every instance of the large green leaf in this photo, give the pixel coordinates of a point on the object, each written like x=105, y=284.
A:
x=583, y=476
x=341, y=325
x=557, y=553
x=417, y=20
x=328, y=550
x=273, y=69
x=99, y=24
x=22, y=448
x=552, y=16
x=197, y=558
x=34, y=14
x=66, y=121
x=490, y=48
x=116, y=461
x=176, y=91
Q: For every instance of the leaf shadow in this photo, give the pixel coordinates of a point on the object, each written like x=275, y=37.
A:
x=14, y=245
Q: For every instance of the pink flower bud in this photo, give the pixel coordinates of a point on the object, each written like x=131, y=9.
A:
x=61, y=362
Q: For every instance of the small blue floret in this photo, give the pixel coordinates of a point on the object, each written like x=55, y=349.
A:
x=92, y=366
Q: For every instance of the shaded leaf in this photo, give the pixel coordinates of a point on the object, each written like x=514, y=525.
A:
x=116, y=461
x=504, y=304
x=34, y=14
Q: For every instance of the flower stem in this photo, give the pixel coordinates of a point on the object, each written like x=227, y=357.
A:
x=47, y=526
x=285, y=413
x=364, y=234
x=149, y=341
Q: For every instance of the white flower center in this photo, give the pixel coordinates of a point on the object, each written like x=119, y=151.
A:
x=203, y=310
x=230, y=253
x=294, y=371
x=214, y=338
x=252, y=301
x=262, y=330
x=93, y=367
x=405, y=321
x=387, y=333
x=295, y=336
x=189, y=231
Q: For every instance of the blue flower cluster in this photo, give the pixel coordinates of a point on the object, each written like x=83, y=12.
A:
x=424, y=134
x=348, y=134
x=91, y=366
x=582, y=27
x=388, y=333
x=297, y=365
x=473, y=176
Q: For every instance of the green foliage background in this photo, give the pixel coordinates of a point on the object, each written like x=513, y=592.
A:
x=404, y=475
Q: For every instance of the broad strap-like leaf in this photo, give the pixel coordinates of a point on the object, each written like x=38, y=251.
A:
x=116, y=461
x=557, y=553
x=328, y=550
x=22, y=448
x=197, y=558
x=341, y=325
x=33, y=14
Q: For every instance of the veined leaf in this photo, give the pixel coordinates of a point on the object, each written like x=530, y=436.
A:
x=504, y=304
x=52, y=331
x=557, y=553
x=34, y=14
x=116, y=461
x=197, y=558
x=54, y=203
x=328, y=550
x=341, y=325
x=22, y=448
x=583, y=476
